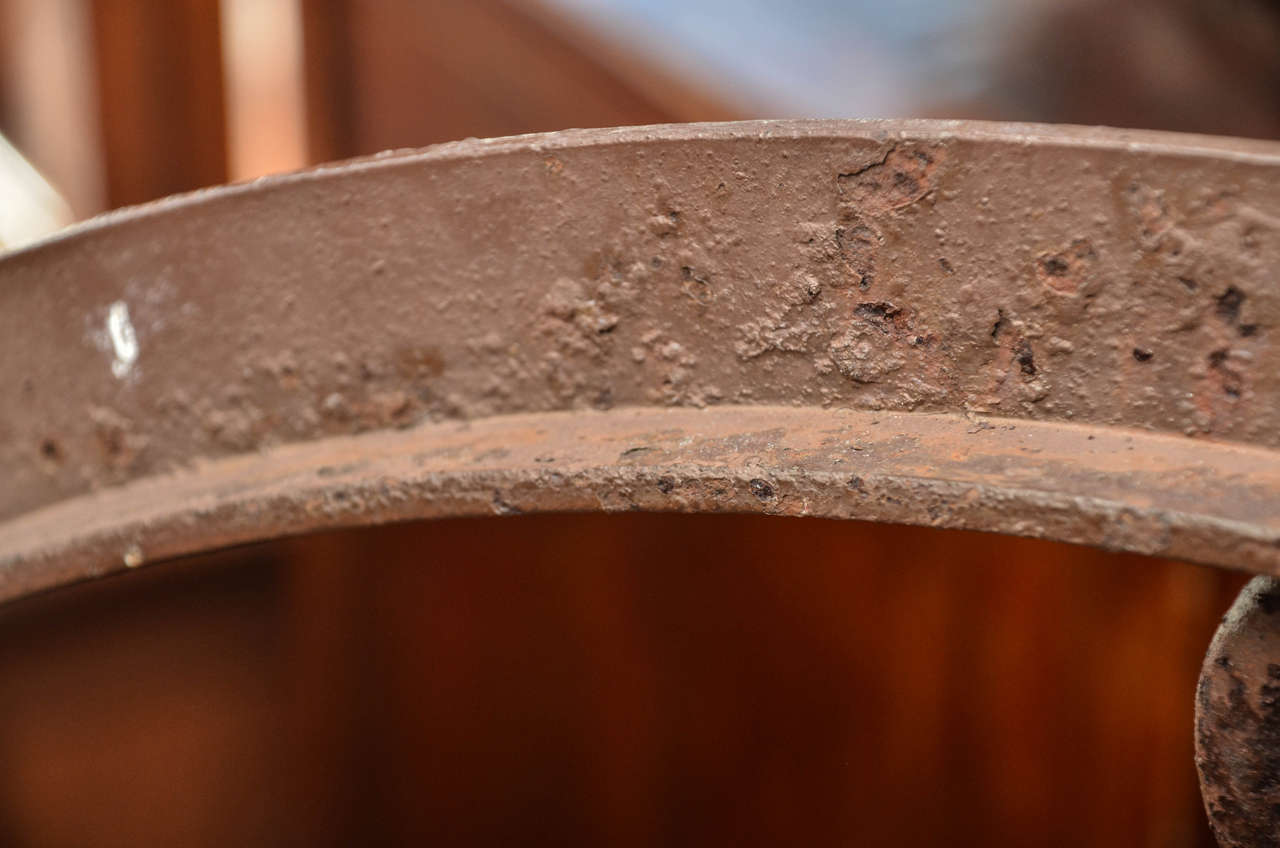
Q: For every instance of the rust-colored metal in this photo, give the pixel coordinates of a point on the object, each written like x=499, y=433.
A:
x=783, y=279
x=1046, y=331
x=1238, y=721
x=1027, y=478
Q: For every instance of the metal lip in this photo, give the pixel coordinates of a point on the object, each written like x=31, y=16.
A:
x=1259, y=151
x=1120, y=489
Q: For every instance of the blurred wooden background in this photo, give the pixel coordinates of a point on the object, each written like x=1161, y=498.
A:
x=569, y=679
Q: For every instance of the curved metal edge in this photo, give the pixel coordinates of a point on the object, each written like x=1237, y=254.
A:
x=1258, y=151
x=1121, y=489
x=1238, y=720
x=272, y=281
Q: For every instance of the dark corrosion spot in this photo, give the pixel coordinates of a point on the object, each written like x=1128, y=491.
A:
x=1142, y=354
x=665, y=485
x=1188, y=283
x=1229, y=303
x=998, y=325
x=1232, y=382
x=50, y=450
x=1055, y=265
x=945, y=265
x=1026, y=358
x=1247, y=330
x=881, y=309
x=1223, y=661
x=878, y=312
x=761, y=489
x=1269, y=602
x=855, y=483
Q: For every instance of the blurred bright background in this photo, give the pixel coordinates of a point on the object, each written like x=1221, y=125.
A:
x=122, y=101
x=598, y=680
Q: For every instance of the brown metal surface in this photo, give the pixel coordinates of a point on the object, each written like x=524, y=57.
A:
x=1238, y=721
x=1052, y=332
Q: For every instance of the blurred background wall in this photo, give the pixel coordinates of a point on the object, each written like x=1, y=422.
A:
x=590, y=679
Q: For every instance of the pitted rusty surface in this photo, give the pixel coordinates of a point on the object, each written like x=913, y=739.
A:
x=1024, y=273
x=1238, y=721
x=1122, y=489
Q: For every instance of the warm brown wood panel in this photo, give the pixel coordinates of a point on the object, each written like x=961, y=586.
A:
x=622, y=680
x=159, y=65
x=649, y=679
x=148, y=711
x=7, y=118
x=402, y=73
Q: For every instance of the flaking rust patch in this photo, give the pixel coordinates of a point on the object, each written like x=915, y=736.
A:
x=905, y=175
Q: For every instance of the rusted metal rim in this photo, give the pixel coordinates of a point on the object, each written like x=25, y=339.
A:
x=1043, y=331
x=1049, y=480
x=1238, y=720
